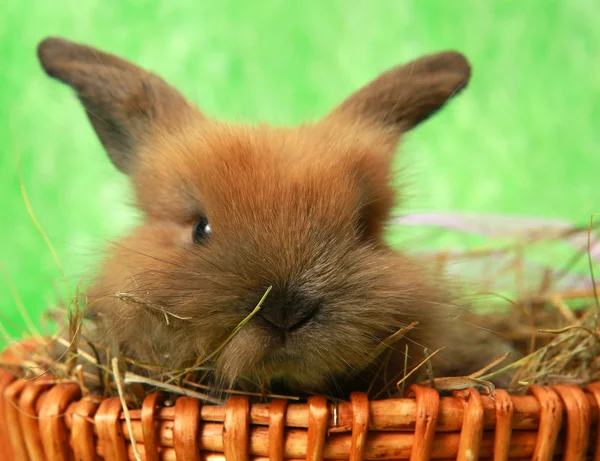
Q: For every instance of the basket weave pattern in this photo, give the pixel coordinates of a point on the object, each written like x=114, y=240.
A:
x=44, y=421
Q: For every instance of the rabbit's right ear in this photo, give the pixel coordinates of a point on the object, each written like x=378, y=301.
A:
x=125, y=104
x=405, y=96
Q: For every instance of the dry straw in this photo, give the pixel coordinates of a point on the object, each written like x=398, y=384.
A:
x=87, y=404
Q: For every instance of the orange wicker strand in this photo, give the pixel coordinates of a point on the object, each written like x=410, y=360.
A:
x=53, y=430
x=318, y=416
x=28, y=418
x=148, y=418
x=504, y=420
x=578, y=422
x=277, y=410
x=186, y=429
x=550, y=422
x=11, y=415
x=82, y=430
x=236, y=440
x=594, y=389
x=472, y=430
x=5, y=380
x=360, y=428
x=110, y=434
x=428, y=405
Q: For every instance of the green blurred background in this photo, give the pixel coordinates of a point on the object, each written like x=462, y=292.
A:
x=522, y=140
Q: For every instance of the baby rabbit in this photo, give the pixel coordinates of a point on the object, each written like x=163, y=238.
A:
x=229, y=211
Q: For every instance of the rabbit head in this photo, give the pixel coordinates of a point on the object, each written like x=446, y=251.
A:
x=232, y=213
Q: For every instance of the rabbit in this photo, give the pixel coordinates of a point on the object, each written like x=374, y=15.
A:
x=232, y=214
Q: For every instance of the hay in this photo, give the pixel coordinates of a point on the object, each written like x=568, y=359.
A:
x=555, y=326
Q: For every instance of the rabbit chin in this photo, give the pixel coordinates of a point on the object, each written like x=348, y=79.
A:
x=264, y=358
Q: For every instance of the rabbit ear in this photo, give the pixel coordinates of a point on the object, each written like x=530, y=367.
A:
x=124, y=103
x=403, y=97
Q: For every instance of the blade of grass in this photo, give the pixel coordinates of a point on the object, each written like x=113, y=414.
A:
x=39, y=227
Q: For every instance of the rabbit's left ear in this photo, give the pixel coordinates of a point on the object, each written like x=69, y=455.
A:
x=403, y=97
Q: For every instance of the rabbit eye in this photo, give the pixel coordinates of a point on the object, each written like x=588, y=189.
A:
x=201, y=231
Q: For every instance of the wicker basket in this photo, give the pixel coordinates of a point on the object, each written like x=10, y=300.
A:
x=44, y=421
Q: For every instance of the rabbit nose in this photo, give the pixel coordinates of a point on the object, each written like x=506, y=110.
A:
x=288, y=310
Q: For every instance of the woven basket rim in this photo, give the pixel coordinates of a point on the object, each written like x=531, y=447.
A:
x=54, y=421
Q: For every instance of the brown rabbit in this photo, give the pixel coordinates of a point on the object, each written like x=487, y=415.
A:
x=232, y=210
